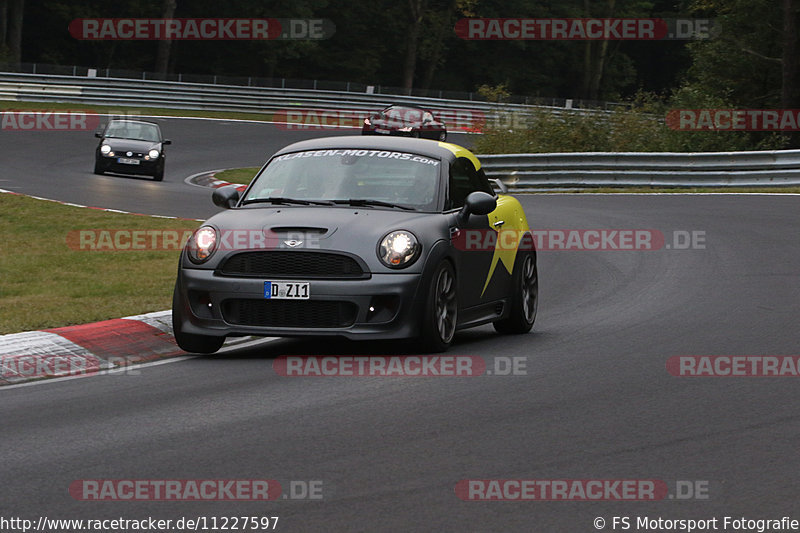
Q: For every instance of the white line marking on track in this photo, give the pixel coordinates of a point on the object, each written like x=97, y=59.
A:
x=124, y=369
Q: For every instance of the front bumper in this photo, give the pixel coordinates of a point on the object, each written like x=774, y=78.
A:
x=385, y=306
x=111, y=164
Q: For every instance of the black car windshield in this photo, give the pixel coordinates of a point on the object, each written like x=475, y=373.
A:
x=399, y=178
x=139, y=131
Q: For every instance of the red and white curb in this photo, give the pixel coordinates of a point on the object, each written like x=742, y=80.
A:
x=91, y=348
x=87, y=348
x=209, y=179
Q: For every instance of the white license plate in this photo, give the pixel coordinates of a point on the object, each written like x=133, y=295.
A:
x=126, y=161
x=381, y=130
x=287, y=290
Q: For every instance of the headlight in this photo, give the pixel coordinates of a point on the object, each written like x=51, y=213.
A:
x=105, y=149
x=398, y=249
x=153, y=154
x=406, y=129
x=202, y=244
x=367, y=122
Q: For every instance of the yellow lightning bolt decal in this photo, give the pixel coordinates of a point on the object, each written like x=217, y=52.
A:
x=509, y=210
x=460, y=151
x=513, y=228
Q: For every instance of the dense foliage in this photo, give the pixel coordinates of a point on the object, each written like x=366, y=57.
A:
x=751, y=61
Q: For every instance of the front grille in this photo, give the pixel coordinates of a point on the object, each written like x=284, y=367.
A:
x=294, y=265
x=289, y=313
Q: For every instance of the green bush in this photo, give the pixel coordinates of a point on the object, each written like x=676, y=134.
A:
x=642, y=128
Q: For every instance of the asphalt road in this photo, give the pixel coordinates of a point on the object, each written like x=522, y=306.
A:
x=596, y=402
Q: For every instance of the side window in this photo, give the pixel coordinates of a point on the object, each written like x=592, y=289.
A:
x=464, y=179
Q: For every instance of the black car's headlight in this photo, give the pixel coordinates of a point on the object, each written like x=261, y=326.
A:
x=398, y=249
x=202, y=244
x=153, y=154
x=105, y=149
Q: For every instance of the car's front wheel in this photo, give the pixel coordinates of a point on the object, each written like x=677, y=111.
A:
x=441, y=310
x=525, y=297
x=98, y=167
x=158, y=175
x=443, y=136
x=187, y=341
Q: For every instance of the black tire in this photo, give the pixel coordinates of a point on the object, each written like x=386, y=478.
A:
x=158, y=175
x=415, y=134
x=443, y=136
x=441, y=310
x=525, y=300
x=189, y=342
x=98, y=167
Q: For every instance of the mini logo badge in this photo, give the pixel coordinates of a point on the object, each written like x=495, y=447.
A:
x=294, y=243
x=129, y=154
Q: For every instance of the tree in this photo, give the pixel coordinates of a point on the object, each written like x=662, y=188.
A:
x=416, y=9
x=790, y=79
x=162, y=54
x=15, y=10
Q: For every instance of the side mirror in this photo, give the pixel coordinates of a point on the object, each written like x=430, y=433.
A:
x=226, y=197
x=477, y=203
x=166, y=141
x=98, y=135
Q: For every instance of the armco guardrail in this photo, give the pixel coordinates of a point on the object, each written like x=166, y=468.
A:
x=520, y=171
x=601, y=169
x=193, y=96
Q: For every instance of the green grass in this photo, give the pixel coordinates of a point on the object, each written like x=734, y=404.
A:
x=45, y=283
x=238, y=175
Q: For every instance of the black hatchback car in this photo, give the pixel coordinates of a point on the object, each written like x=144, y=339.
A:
x=131, y=147
x=361, y=237
x=405, y=121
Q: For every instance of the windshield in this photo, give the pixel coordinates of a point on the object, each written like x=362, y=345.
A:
x=400, y=178
x=133, y=130
x=403, y=114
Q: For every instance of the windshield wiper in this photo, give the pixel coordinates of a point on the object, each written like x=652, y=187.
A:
x=357, y=202
x=282, y=200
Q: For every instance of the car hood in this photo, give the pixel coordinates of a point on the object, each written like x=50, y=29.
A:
x=346, y=229
x=131, y=145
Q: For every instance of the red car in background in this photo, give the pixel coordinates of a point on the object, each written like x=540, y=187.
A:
x=406, y=121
